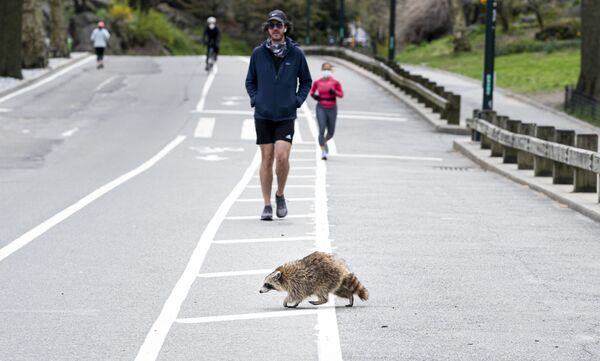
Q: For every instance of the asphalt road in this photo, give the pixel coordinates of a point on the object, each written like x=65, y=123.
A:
x=129, y=230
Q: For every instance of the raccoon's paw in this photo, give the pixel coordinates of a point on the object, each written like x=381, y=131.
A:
x=351, y=301
x=291, y=306
x=316, y=303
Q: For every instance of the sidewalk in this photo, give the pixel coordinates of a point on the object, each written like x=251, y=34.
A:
x=8, y=85
x=515, y=106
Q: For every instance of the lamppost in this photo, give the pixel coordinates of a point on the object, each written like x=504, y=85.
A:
x=392, y=44
x=490, y=50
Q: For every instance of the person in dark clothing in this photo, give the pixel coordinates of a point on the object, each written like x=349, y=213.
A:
x=278, y=82
x=211, y=37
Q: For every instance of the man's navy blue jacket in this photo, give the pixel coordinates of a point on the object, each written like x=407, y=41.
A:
x=275, y=95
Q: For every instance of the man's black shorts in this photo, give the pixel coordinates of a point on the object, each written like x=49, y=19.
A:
x=269, y=131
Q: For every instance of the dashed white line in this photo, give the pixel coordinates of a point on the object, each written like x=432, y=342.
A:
x=37, y=231
x=206, y=88
x=248, y=316
x=387, y=156
x=69, y=132
x=287, y=186
x=104, y=83
x=242, y=218
x=367, y=117
x=205, y=128
x=159, y=330
x=289, y=199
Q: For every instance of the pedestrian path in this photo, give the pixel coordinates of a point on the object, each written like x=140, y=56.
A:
x=471, y=94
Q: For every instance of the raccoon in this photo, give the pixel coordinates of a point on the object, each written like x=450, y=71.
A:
x=317, y=274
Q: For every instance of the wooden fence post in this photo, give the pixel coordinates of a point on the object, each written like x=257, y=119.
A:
x=489, y=116
x=524, y=159
x=497, y=148
x=586, y=181
x=453, y=112
x=562, y=173
x=542, y=167
x=510, y=154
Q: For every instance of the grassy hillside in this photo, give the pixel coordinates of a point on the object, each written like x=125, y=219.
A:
x=522, y=65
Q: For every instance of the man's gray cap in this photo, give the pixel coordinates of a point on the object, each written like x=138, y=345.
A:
x=277, y=15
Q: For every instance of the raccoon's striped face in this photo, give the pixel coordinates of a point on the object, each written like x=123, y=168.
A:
x=271, y=282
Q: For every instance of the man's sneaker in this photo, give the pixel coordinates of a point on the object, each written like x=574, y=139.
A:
x=267, y=214
x=281, y=207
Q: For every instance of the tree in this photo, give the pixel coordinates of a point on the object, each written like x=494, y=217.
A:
x=536, y=7
x=461, y=38
x=35, y=54
x=10, y=38
x=589, y=78
x=505, y=8
x=58, y=36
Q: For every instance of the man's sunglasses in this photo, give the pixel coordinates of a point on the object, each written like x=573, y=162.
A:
x=275, y=25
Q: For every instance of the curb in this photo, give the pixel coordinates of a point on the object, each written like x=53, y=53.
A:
x=73, y=60
x=432, y=118
x=584, y=203
x=516, y=96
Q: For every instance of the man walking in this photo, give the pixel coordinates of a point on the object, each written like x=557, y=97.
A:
x=278, y=82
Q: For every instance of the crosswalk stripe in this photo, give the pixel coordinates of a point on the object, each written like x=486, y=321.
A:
x=205, y=128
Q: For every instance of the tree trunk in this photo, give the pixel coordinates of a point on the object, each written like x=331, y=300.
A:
x=58, y=37
x=10, y=38
x=505, y=12
x=589, y=78
x=35, y=54
x=537, y=9
x=461, y=38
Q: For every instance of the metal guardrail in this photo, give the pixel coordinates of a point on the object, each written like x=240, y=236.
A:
x=567, y=157
x=426, y=91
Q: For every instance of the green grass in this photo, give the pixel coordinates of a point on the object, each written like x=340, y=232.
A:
x=525, y=72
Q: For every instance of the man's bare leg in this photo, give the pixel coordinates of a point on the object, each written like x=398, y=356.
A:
x=266, y=171
x=282, y=165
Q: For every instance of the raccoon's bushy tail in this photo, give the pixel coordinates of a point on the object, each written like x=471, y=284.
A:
x=352, y=284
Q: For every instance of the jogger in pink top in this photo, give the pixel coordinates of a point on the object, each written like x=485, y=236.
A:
x=326, y=90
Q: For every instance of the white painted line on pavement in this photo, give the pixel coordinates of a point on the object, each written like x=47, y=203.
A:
x=288, y=199
x=69, y=132
x=366, y=117
x=228, y=112
x=297, y=134
x=262, y=240
x=245, y=59
x=248, y=131
x=395, y=157
x=206, y=88
x=312, y=149
x=236, y=273
x=243, y=218
x=40, y=229
x=104, y=83
x=305, y=168
x=293, y=176
x=248, y=316
x=301, y=159
x=45, y=80
x=205, y=128
x=5, y=110
x=159, y=330
x=327, y=328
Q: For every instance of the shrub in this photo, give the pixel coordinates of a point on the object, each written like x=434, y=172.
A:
x=154, y=25
x=560, y=31
x=121, y=12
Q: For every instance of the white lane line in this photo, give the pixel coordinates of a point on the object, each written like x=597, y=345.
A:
x=105, y=83
x=300, y=150
x=69, y=132
x=206, y=88
x=205, y=128
x=248, y=131
x=262, y=240
x=159, y=330
x=386, y=156
x=248, y=316
x=305, y=168
x=332, y=147
x=245, y=59
x=243, y=218
x=366, y=117
x=297, y=134
x=287, y=186
x=236, y=273
x=40, y=229
x=5, y=110
x=289, y=199
x=327, y=328
x=228, y=112
x=45, y=80
x=301, y=160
